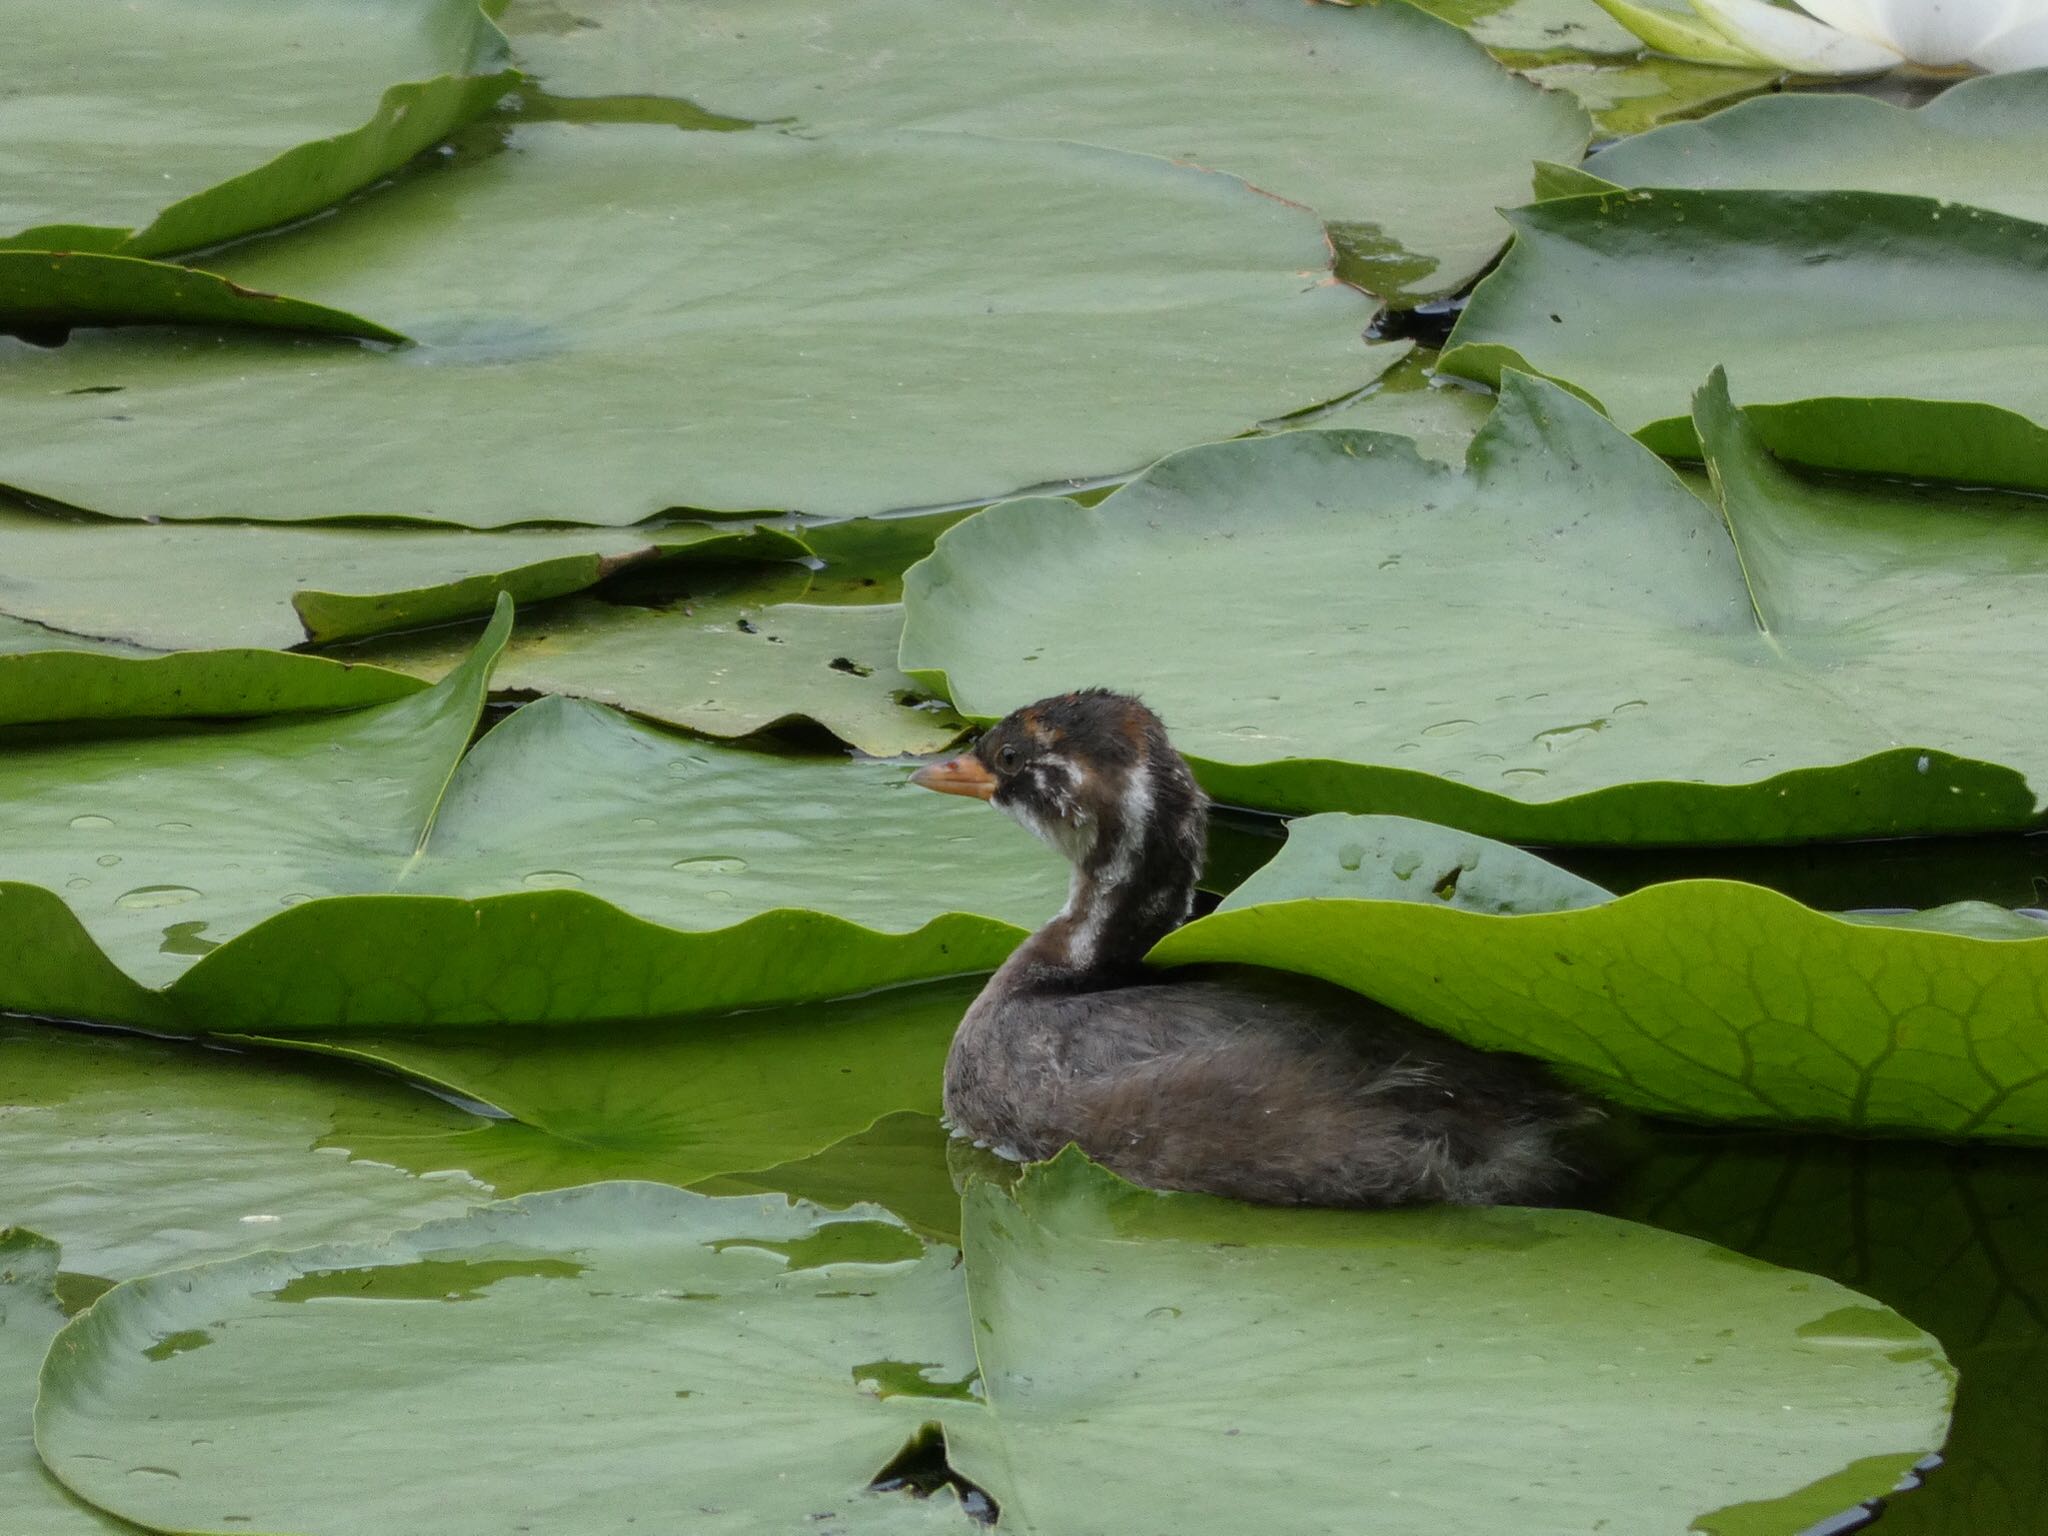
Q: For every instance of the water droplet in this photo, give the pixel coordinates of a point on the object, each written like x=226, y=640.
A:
x=292, y=898
x=643, y=821
x=710, y=864
x=174, y=826
x=107, y=860
x=1409, y=746
x=552, y=879
x=77, y=883
x=1557, y=738
x=1248, y=732
x=1351, y=855
x=1163, y=1314
x=1449, y=727
x=145, y=897
x=1522, y=775
x=1628, y=704
x=722, y=898
x=1922, y=764
x=91, y=823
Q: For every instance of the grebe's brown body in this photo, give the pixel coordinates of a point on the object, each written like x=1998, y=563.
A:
x=1249, y=1083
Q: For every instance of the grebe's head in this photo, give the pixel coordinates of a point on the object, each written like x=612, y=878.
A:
x=1094, y=775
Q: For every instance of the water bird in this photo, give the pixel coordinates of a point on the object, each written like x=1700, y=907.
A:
x=1238, y=1081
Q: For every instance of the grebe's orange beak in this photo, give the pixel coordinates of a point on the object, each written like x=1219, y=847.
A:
x=960, y=776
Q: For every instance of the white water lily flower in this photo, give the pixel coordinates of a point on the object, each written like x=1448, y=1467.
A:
x=1848, y=37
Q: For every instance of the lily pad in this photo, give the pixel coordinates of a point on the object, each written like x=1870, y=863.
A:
x=1547, y=646
x=1862, y=331
x=140, y=1155
x=1951, y=1237
x=40, y=687
x=1410, y=400
x=1703, y=999
x=1981, y=142
x=1321, y=105
x=42, y=289
x=593, y=1358
x=253, y=114
x=573, y=866
x=1107, y=1326
x=726, y=659
x=30, y=1315
x=216, y=584
x=1597, y=1354
x=1634, y=95
x=714, y=360
x=652, y=1101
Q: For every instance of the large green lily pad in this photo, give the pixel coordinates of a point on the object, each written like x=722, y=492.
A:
x=30, y=1315
x=1317, y=104
x=1953, y=1238
x=1548, y=646
x=649, y=1101
x=607, y=1355
x=45, y=289
x=253, y=113
x=573, y=866
x=1981, y=142
x=1617, y=1369
x=1863, y=331
x=57, y=682
x=216, y=584
x=669, y=284
x=1704, y=999
x=1625, y=96
x=729, y=657
x=141, y=1155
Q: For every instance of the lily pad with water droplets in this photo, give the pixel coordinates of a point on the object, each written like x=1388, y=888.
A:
x=363, y=872
x=252, y=114
x=1862, y=331
x=1702, y=999
x=623, y=1349
x=671, y=286
x=1321, y=105
x=1551, y=645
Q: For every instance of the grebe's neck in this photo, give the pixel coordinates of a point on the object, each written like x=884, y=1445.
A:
x=1133, y=885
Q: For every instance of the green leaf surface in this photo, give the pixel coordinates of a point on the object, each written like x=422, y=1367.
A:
x=214, y=584
x=1109, y=1328
x=210, y=831
x=1635, y=95
x=1441, y=415
x=1858, y=328
x=725, y=659
x=605, y=1356
x=1548, y=646
x=674, y=1103
x=1315, y=104
x=1534, y=26
x=140, y=1155
x=30, y=1316
x=1590, y=1371
x=1952, y=1238
x=253, y=113
x=1704, y=999
x=574, y=866
x=714, y=359
x=65, y=288
x=46, y=686
x=1982, y=142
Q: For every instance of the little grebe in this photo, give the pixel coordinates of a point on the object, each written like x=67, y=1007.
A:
x=1249, y=1083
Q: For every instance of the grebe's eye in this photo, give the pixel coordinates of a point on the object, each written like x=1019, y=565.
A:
x=1006, y=759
